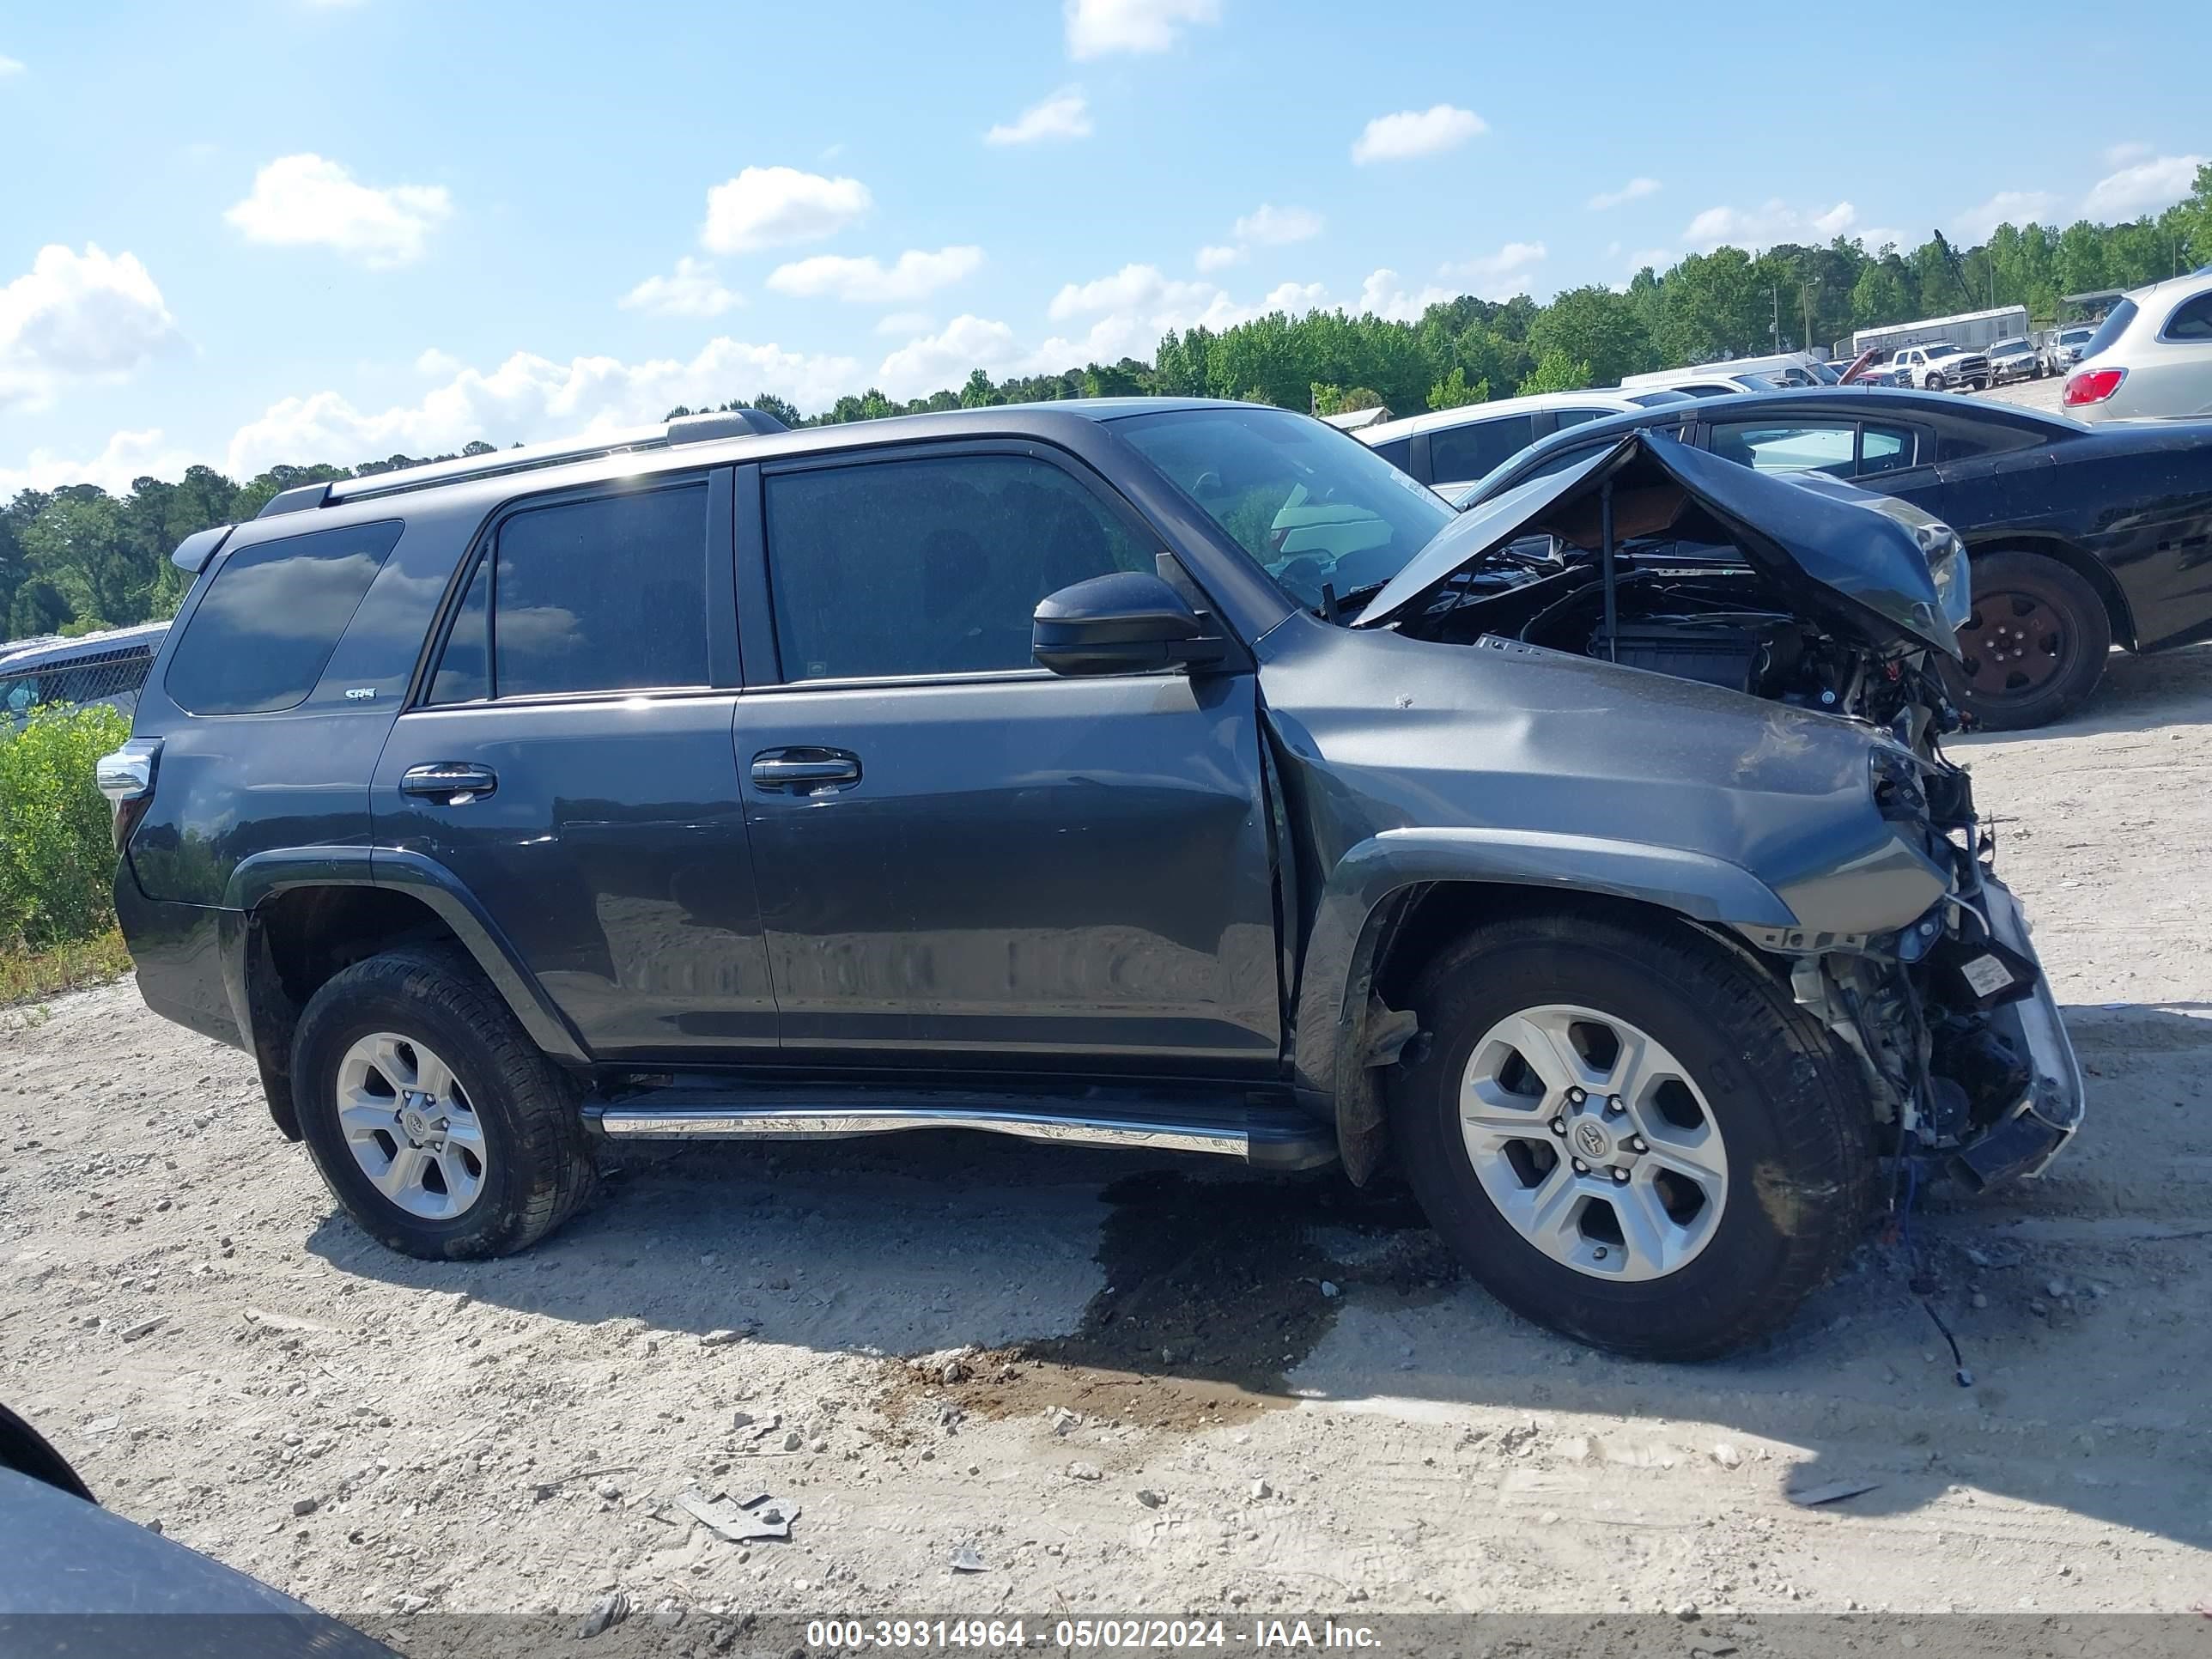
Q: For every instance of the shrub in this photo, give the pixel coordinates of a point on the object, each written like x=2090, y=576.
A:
x=56, y=850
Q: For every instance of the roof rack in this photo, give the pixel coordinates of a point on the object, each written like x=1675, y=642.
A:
x=528, y=458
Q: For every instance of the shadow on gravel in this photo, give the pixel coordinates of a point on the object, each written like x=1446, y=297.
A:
x=1185, y=1294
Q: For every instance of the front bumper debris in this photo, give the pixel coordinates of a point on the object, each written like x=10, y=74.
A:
x=2035, y=1129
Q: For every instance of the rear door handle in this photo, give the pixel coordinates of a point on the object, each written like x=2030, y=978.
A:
x=804, y=769
x=452, y=783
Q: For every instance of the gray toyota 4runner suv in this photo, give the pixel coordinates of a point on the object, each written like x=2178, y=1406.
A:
x=1162, y=774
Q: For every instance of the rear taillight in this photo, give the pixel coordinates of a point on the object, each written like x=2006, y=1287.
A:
x=126, y=778
x=2094, y=385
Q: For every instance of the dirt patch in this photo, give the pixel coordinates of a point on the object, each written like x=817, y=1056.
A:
x=1215, y=1292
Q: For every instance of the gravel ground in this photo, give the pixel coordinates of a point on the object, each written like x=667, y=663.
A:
x=1160, y=1387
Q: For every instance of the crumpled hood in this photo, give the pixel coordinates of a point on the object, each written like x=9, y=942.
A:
x=1836, y=548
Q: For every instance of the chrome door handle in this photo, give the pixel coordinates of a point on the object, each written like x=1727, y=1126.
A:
x=452, y=783
x=805, y=768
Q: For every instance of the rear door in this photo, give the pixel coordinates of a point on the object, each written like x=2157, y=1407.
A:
x=566, y=758
x=965, y=861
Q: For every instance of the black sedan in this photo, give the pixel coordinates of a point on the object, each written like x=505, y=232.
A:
x=2081, y=537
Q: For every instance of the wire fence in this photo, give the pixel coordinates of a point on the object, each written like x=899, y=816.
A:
x=109, y=677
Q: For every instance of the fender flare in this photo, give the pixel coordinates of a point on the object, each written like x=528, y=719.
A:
x=264, y=876
x=1336, y=980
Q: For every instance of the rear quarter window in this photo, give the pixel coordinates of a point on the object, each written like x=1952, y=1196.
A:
x=270, y=617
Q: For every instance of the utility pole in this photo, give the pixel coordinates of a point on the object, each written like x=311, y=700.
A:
x=1775, y=294
x=1805, y=291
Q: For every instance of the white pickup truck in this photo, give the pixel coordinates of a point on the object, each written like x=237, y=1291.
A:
x=1941, y=366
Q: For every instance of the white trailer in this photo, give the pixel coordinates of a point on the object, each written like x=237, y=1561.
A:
x=1974, y=331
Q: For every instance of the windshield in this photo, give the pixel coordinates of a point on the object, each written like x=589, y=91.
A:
x=2114, y=325
x=1944, y=351
x=1317, y=510
x=2077, y=336
x=2010, y=345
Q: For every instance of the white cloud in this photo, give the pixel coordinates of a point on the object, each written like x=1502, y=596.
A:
x=306, y=201
x=1764, y=226
x=1273, y=227
x=1296, y=298
x=1410, y=133
x=128, y=457
x=2118, y=156
x=1382, y=296
x=694, y=289
x=77, y=317
x=933, y=362
x=2145, y=187
x=2006, y=207
x=437, y=363
x=10, y=66
x=1219, y=257
x=1657, y=258
x=906, y=322
x=869, y=281
x=1064, y=115
x=529, y=396
x=1501, y=275
x=1096, y=28
x=764, y=207
x=1131, y=309
x=1634, y=191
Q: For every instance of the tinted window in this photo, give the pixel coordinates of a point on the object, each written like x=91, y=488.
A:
x=1309, y=506
x=270, y=619
x=463, y=667
x=2191, y=320
x=929, y=567
x=1563, y=418
x=1884, y=449
x=1796, y=446
x=1470, y=450
x=2094, y=341
x=1398, y=452
x=607, y=595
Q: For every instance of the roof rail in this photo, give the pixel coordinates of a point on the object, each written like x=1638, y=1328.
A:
x=527, y=458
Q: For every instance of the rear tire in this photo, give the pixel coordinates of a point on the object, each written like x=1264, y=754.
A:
x=1733, y=1081
x=484, y=1153
x=2035, y=642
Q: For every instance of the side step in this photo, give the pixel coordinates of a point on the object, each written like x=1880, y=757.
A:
x=1264, y=1134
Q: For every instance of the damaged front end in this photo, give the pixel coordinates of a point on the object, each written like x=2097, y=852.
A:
x=1951, y=1019
x=1819, y=595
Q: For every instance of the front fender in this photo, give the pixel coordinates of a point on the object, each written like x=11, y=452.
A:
x=1337, y=975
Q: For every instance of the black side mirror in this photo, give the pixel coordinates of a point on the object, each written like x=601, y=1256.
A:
x=1129, y=622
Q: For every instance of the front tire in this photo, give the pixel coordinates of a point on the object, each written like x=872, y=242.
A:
x=1725, y=1150
x=432, y=1119
x=1935, y=383
x=2034, y=644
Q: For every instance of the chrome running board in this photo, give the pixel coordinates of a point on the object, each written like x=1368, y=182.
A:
x=1274, y=1136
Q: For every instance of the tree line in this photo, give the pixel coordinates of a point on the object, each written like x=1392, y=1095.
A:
x=76, y=559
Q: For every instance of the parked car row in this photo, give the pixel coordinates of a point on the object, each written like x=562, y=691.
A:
x=106, y=668
x=2081, y=537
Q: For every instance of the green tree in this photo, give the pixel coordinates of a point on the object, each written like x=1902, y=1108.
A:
x=1453, y=392
x=1557, y=372
x=1598, y=328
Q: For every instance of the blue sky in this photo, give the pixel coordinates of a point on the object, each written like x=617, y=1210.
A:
x=332, y=229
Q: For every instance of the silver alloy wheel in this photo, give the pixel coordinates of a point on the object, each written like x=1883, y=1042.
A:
x=410, y=1126
x=1594, y=1142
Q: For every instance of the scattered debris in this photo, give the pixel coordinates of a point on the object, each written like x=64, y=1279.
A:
x=1727, y=1456
x=143, y=1327
x=1149, y=1498
x=305, y=1505
x=1262, y=1489
x=966, y=1560
x=757, y=1519
x=1833, y=1492
x=1078, y=1471
x=723, y=1338
x=606, y=1613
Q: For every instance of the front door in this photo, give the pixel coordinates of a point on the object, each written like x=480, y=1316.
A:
x=570, y=762
x=965, y=860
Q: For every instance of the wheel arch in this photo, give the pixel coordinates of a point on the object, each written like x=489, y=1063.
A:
x=2092, y=571
x=1398, y=896
x=292, y=920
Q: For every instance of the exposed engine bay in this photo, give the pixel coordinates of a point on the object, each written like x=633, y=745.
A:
x=1655, y=562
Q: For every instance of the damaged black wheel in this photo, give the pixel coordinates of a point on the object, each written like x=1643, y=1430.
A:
x=2034, y=646
x=1630, y=1134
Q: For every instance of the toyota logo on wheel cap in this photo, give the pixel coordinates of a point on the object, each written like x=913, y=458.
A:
x=1591, y=1141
